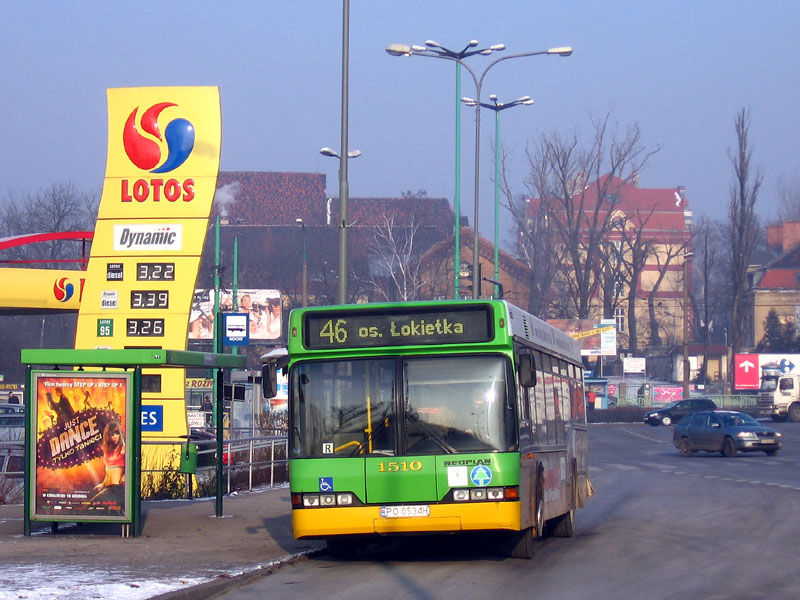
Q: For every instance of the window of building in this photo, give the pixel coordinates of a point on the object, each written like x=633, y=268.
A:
x=619, y=317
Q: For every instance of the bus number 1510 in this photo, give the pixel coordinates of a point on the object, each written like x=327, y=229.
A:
x=394, y=465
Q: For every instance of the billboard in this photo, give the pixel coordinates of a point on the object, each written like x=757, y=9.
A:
x=596, y=338
x=747, y=368
x=82, y=427
x=263, y=308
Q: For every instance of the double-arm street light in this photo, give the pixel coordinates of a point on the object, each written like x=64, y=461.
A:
x=436, y=51
x=343, y=196
x=497, y=107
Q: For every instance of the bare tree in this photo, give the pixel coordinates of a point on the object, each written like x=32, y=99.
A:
x=395, y=272
x=664, y=257
x=57, y=208
x=534, y=245
x=636, y=249
x=744, y=230
x=790, y=198
x=707, y=292
x=578, y=185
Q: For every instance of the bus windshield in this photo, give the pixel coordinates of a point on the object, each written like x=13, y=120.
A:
x=448, y=405
x=457, y=404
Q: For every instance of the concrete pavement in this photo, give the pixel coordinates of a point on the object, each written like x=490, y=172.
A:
x=179, y=539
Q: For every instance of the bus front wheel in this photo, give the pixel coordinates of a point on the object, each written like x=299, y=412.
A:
x=521, y=543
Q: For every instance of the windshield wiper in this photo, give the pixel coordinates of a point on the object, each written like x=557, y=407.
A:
x=437, y=439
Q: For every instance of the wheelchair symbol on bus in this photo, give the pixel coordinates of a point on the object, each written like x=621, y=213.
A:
x=481, y=475
x=326, y=484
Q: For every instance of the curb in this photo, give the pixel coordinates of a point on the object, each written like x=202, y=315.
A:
x=225, y=583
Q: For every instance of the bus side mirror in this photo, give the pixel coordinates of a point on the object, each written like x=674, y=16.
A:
x=269, y=380
x=527, y=371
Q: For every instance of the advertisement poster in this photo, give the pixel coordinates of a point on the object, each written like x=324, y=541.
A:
x=747, y=368
x=596, y=339
x=263, y=308
x=82, y=424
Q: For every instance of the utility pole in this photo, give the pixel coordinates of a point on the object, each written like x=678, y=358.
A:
x=687, y=256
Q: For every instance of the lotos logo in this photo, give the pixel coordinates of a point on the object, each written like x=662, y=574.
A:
x=63, y=289
x=145, y=152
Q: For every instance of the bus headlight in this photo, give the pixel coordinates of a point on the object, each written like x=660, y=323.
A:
x=460, y=495
x=310, y=500
x=494, y=493
x=327, y=499
x=477, y=494
x=344, y=499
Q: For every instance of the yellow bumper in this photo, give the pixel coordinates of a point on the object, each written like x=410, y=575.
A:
x=367, y=520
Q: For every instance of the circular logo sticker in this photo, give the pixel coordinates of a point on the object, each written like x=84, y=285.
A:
x=481, y=475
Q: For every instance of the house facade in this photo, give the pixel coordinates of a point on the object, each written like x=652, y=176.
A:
x=776, y=285
x=438, y=271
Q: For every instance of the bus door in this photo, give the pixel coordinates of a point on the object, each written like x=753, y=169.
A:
x=410, y=477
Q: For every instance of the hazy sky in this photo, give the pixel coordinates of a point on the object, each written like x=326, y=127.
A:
x=680, y=69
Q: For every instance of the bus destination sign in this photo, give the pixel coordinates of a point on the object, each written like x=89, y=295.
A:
x=371, y=328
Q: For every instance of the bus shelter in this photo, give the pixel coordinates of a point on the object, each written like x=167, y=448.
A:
x=83, y=431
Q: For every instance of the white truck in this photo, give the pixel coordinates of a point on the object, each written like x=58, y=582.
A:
x=779, y=394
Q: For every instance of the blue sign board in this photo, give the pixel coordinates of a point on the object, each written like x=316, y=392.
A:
x=236, y=329
x=153, y=417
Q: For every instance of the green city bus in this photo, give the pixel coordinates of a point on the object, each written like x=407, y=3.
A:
x=434, y=417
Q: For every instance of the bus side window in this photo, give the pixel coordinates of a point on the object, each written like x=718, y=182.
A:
x=539, y=413
x=523, y=405
x=566, y=395
x=527, y=370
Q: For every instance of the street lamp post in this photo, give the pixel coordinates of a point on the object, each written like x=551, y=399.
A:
x=305, y=262
x=497, y=107
x=435, y=51
x=687, y=257
x=343, y=196
x=343, y=190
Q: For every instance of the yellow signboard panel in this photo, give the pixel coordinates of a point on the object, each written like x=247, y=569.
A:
x=163, y=160
x=42, y=289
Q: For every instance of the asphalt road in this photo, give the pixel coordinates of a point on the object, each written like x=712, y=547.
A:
x=660, y=526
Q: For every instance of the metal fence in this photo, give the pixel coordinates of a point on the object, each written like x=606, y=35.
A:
x=727, y=401
x=247, y=462
x=12, y=458
x=12, y=470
